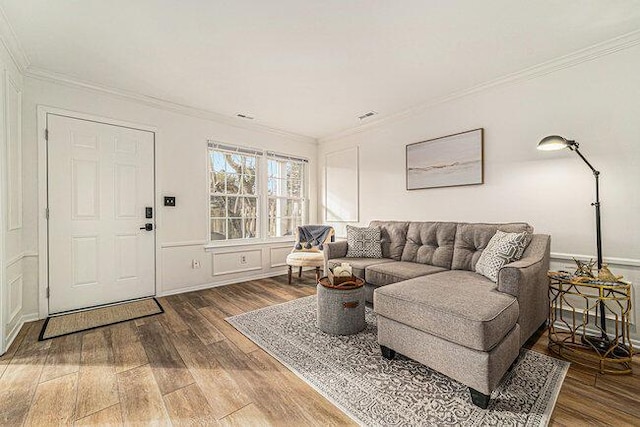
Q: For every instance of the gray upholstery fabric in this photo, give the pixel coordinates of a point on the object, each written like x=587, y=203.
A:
x=396, y=271
x=476, y=369
x=333, y=317
x=358, y=265
x=394, y=236
x=430, y=243
x=471, y=239
x=459, y=306
x=335, y=249
x=527, y=280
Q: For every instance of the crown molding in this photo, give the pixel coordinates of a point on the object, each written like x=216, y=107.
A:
x=66, y=80
x=590, y=53
x=10, y=41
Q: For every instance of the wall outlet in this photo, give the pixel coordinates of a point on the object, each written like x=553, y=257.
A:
x=195, y=264
x=243, y=259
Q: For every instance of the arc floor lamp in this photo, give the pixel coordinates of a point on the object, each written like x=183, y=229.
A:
x=555, y=142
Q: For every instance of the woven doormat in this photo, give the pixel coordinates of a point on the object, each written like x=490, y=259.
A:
x=65, y=324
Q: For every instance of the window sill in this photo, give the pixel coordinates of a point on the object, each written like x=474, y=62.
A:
x=258, y=242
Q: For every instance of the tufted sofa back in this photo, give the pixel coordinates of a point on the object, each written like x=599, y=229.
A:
x=394, y=237
x=430, y=243
x=471, y=239
x=450, y=245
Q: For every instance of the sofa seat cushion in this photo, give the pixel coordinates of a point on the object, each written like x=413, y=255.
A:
x=397, y=271
x=460, y=306
x=358, y=265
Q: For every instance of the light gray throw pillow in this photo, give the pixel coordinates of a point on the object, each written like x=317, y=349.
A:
x=364, y=242
x=502, y=249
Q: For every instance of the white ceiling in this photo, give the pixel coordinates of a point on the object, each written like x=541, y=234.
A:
x=306, y=66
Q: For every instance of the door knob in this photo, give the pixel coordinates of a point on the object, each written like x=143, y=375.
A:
x=148, y=227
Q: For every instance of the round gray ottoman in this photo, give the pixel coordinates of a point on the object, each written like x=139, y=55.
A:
x=340, y=308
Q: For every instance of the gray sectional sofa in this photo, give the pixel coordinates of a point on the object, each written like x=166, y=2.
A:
x=434, y=308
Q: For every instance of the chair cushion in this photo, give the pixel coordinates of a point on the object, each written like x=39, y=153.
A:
x=358, y=265
x=471, y=239
x=305, y=259
x=460, y=306
x=430, y=243
x=397, y=271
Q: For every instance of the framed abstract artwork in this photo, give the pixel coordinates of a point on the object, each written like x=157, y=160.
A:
x=447, y=161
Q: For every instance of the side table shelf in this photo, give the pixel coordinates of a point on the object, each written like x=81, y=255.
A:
x=574, y=322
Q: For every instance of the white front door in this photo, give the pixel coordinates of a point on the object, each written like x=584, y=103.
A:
x=100, y=182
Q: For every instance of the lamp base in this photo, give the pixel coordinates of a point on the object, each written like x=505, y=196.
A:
x=604, y=345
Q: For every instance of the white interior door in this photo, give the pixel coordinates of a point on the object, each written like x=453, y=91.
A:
x=100, y=180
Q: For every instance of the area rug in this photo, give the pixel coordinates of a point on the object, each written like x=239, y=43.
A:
x=351, y=373
x=78, y=321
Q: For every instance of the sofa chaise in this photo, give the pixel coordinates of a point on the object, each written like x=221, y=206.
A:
x=433, y=307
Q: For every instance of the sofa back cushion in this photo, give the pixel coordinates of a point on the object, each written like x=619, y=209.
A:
x=394, y=237
x=471, y=239
x=430, y=243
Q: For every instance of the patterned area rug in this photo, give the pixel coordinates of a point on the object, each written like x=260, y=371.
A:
x=350, y=372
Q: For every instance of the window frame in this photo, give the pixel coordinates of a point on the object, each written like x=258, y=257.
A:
x=262, y=194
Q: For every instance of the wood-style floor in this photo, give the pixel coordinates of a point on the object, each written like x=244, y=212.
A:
x=189, y=367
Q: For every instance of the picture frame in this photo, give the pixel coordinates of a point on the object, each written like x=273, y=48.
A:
x=448, y=161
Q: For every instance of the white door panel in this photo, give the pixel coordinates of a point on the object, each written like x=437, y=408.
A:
x=100, y=181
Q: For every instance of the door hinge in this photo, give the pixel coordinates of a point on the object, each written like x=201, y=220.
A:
x=46, y=134
x=46, y=213
x=48, y=292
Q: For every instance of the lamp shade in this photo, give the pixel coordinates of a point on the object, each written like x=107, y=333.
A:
x=553, y=142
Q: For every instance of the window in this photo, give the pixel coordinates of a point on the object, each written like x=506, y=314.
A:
x=286, y=184
x=253, y=195
x=233, y=193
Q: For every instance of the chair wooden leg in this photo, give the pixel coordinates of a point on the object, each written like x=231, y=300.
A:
x=289, y=274
x=317, y=274
x=300, y=272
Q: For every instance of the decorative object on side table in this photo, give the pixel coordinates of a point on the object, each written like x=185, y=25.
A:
x=555, y=142
x=341, y=307
x=574, y=309
x=341, y=274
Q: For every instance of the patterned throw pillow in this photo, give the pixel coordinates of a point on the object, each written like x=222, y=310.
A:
x=502, y=249
x=363, y=242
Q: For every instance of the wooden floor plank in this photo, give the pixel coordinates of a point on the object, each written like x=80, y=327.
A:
x=168, y=368
x=220, y=388
x=220, y=370
x=231, y=333
x=5, y=359
x=97, y=384
x=128, y=352
x=248, y=416
x=141, y=400
x=189, y=407
x=63, y=358
x=54, y=402
x=21, y=377
x=199, y=324
x=111, y=417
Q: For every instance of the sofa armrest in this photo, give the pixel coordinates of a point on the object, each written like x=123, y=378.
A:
x=527, y=280
x=335, y=250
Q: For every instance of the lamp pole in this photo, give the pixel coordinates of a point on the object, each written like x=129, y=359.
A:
x=603, y=341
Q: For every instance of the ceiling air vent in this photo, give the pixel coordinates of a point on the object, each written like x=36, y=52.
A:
x=367, y=115
x=244, y=116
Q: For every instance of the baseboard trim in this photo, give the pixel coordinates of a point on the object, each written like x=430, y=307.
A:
x=595, y=332
x=19, y=324
x=215, y=284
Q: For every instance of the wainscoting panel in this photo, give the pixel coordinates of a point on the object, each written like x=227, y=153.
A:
x=278, y=255
x=236, y=261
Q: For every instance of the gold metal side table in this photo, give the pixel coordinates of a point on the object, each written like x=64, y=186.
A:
x=574, y=322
